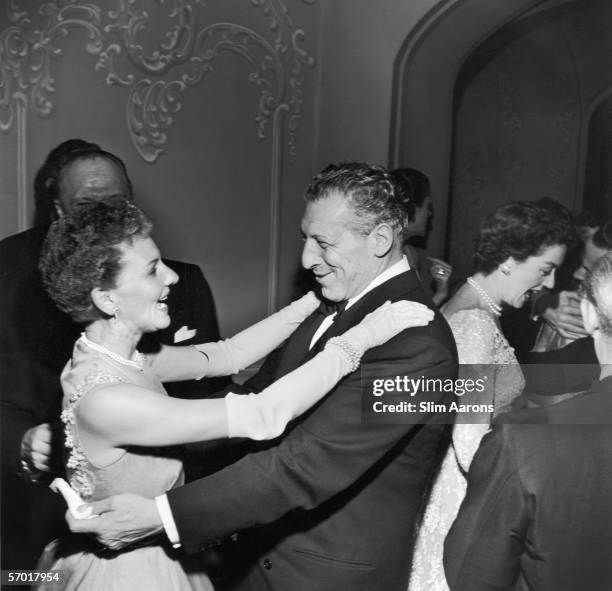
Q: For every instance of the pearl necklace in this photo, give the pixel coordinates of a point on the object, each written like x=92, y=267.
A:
x=496, y=309
x=137, y=363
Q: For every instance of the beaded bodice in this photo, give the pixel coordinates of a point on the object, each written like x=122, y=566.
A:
x=145, y=471
x=478, y=338
x=481, y=343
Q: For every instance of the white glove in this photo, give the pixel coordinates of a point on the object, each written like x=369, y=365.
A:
x=72, y=498
x=231, y=355
x=265, y=415
x=386, y=322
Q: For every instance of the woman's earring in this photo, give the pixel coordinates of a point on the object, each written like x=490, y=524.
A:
x=115, y=312
x=505, y=269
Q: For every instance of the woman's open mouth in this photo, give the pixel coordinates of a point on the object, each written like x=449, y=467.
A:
x=161, y=303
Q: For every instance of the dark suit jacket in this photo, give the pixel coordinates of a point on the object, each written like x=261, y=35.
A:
x=537, y=512
x=335, y=499
x=36, y=341
x=572, y=368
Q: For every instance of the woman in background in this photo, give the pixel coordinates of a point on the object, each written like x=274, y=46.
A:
x=517, y=251
x=100, y=265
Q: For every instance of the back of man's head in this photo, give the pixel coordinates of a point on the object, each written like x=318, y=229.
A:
x=368, y=188
x=91, y=174
x=597, y=287
x=602, y=237
x=414, y=188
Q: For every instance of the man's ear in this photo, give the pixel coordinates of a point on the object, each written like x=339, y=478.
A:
x=590, y=318
x=383, y=237
x=103, y=301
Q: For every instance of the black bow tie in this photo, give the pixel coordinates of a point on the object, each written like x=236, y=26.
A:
x=327, y=308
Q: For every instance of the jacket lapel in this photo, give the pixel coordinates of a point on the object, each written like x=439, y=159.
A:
x=296, y=352
x=397, y=288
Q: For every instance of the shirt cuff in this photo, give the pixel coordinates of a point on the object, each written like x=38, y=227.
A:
x=163, y=508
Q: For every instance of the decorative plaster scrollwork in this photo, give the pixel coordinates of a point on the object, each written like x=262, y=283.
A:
x=156, y=77
x=156, y=74
x=27, y=52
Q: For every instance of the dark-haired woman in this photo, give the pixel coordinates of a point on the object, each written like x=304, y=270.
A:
x=517, y=251
x=100, y=265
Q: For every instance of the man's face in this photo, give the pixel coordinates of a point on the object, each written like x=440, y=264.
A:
x=343, y=261
x=92, y=177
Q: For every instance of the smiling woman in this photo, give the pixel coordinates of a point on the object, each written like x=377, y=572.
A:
x=517, y=251
x=101, y=266
x=142, y=286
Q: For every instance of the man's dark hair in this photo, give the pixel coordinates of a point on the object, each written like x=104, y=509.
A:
x=370, y=190
x=414, y=187
x=603, y=236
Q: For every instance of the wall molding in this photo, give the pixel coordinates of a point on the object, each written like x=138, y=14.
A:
x=156, y=78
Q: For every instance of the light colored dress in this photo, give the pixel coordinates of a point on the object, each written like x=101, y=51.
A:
x=144, y=471
x=479, y=341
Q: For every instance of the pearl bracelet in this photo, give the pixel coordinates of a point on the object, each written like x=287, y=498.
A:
x=352, y=355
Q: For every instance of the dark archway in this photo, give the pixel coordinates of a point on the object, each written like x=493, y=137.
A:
x=426, y=70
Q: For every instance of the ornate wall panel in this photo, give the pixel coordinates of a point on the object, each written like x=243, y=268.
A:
x=155, y=54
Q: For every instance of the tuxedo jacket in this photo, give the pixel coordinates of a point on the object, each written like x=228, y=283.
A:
x=334, y=500
x=36, y=341
x=572, y=368
x=537, y=511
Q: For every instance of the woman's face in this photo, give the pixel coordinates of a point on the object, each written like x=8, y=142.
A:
x=142, y=286
x=532, y=274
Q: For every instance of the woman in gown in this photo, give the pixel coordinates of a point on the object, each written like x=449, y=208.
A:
x=100, y=265
x=517, y=250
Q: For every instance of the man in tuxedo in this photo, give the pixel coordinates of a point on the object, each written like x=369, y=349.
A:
x=36, y=341
x=332, y=503
x=537, y=511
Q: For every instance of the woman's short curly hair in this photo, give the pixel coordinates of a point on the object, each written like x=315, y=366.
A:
x=82, y=251
x=520, y=230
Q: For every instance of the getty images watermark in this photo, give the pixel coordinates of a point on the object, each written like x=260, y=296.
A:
x=481, y=393
x=421, y=398
x=412, y=387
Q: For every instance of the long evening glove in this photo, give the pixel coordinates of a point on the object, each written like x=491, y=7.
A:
x=265, y=415
x=229, y=356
